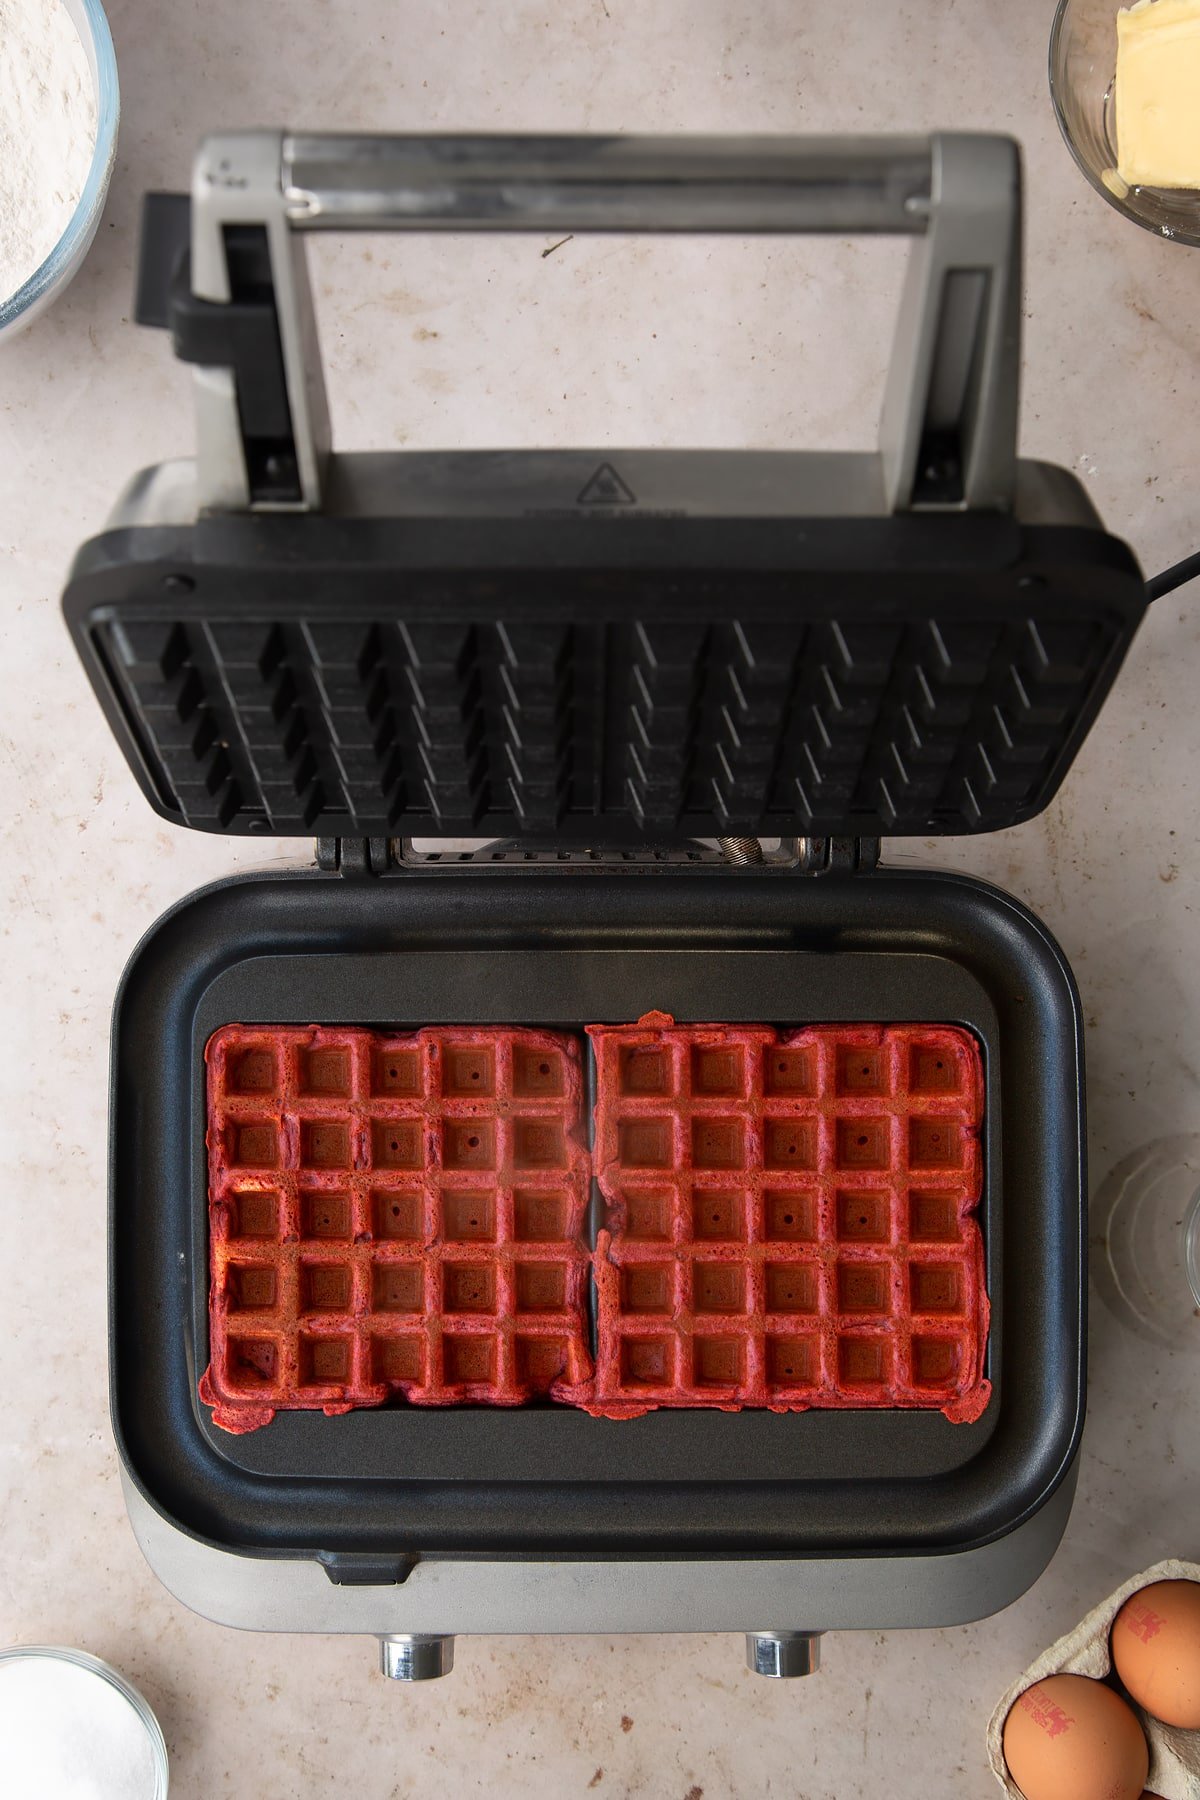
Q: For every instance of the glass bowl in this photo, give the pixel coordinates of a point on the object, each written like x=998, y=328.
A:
x=1191, y=1249
x=48, y=281
x=1083, y=66
x=1144, y=1232
x=61, y=1658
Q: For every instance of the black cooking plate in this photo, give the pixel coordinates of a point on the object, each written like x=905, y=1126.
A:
x=566, y=947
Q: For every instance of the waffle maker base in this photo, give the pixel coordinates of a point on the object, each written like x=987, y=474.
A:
x=376, y=1499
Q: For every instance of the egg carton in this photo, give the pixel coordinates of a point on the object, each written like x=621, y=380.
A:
x=1174, y=1754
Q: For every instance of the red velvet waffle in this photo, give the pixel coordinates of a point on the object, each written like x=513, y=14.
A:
x=393, y=1216
x=790, y=1218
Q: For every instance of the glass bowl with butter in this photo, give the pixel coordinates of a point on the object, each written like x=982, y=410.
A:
x=1125, y=81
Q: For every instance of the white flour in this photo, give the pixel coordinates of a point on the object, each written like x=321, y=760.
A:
x=68, y=1734
x=47, y=132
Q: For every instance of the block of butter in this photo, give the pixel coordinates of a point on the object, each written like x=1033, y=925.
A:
x=1158, y=94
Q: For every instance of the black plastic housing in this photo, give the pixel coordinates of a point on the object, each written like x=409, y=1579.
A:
x=566, y=946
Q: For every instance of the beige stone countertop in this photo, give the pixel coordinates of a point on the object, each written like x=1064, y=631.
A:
x=607, y=341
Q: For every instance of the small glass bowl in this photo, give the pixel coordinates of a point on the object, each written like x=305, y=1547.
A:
x=1083, y=66
x=48, y=281
x=1144, y=1236
x=1191, y=1249
x=81, y=1660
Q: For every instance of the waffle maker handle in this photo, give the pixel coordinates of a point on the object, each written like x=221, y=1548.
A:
x=241, y=307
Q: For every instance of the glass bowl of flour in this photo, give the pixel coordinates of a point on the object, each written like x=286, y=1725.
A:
x=59, y=107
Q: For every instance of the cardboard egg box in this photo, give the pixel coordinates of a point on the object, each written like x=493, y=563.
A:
x=1174, y=1754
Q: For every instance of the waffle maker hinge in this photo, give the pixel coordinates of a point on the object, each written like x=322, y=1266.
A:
x=358, y=857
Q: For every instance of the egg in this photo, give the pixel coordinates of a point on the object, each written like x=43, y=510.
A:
x=1069, y=1738
x=1156, y=1650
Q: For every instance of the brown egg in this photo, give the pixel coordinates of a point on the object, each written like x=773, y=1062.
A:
x=1156, y=1650
x=1069, y=1738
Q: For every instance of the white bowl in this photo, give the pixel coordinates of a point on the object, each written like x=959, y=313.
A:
x=48, y=281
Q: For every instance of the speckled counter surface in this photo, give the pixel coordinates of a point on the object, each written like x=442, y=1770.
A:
x=487, y=342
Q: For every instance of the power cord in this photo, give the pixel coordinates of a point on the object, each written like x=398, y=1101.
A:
x=1174, y=577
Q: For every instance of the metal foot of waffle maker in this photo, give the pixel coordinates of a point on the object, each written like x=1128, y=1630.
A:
x=602, y=663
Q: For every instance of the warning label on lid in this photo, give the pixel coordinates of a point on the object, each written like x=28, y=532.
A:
x=605, y=488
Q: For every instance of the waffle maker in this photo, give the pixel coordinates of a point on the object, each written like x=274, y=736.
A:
x=680, y=696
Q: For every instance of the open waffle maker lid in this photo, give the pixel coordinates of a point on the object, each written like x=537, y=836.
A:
x=597, y=648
